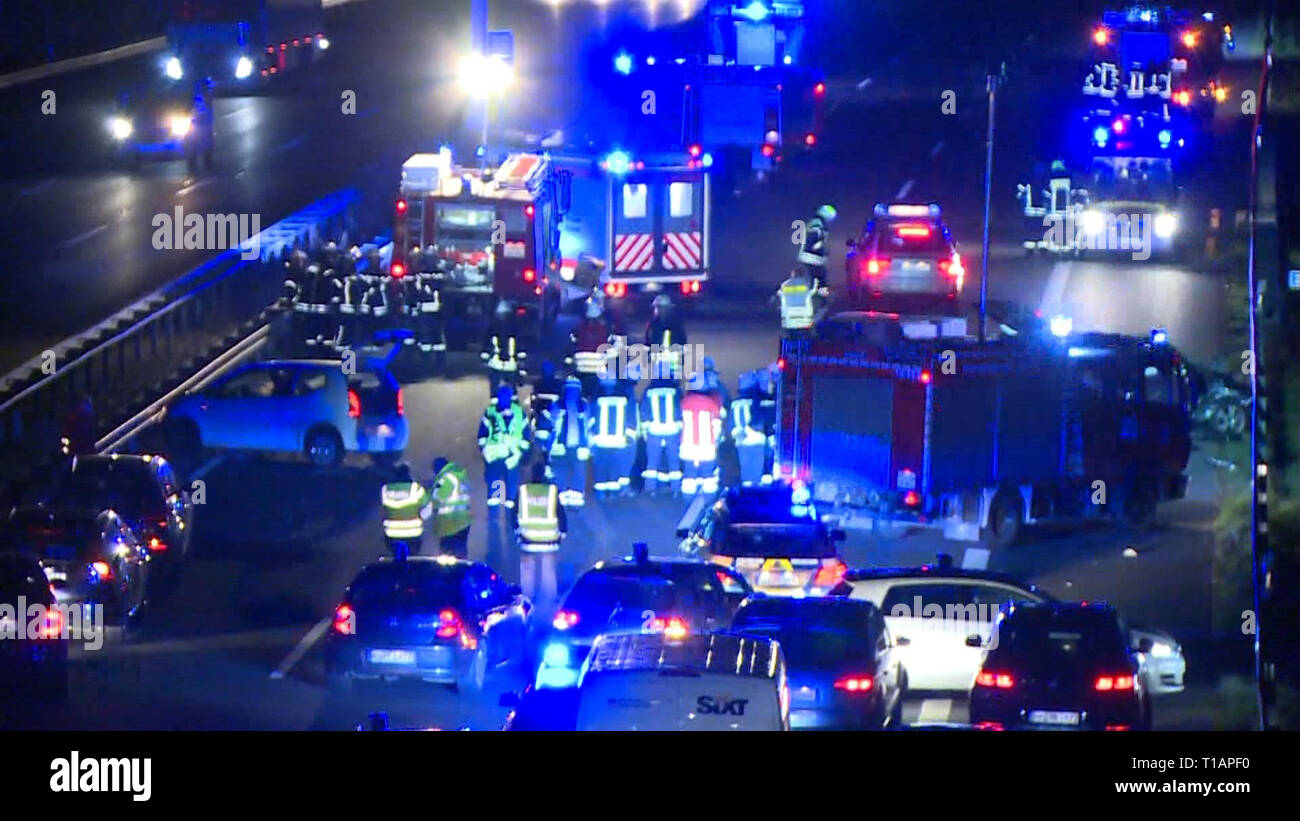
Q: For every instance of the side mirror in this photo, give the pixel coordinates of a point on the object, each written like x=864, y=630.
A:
x=509, y=699
x=838, y=535
x=974, y=641
x=1145, y=645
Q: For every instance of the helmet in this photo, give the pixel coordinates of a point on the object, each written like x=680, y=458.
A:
x=747, y=381
x=827, y=213
x=439, y=464
x=593, y=310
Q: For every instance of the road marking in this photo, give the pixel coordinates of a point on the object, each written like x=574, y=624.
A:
x=80, y=238
x=934, y=152
x=194, y=186
x=906, y=187
x=1054, y=292
x=935, y=709
x=207, y=467
x=866, y=81
x=313, y=635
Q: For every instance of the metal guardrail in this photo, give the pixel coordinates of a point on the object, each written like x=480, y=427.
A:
x=163, y=340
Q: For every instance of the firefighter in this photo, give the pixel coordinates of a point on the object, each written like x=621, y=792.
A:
x=613, y=438
x=767, y=381
x=407, y=506
x=312, y=305
x=408, y=286
x=591, y=347
x=665, y=334
x=544, y=395
x=812, y=255
x=802, y=297
x=701, y=427
x=711, y=382
x=431, y=326
x=748, y=431
x=351, y=307
x=501, y=349
x=540, y=525
x=374, y=305
x=451, y=494
x=503, y=439
x=661, y=428
x=570, y=424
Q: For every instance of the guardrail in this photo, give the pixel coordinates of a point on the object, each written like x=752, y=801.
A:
x=164, y=340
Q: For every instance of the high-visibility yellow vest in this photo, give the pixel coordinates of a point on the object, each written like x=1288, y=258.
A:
x=503, y=358
x=406, y=506
x=539, y=517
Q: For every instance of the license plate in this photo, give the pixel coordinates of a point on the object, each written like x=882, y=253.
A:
x=651, y=287
x=406, y=657
x=915, y=265
x=1055, y=717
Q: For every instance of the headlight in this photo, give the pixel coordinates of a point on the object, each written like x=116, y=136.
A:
x=1165, y=225
x=322, y=42
x=120, y=128
x=243, y=68
x=179, y=125
x=173, y=68
x=1161, y=650
x=1092, y=222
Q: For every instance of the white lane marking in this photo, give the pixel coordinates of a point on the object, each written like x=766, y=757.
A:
x=935, y=709
x=1054, y=291
x=975, y=558
x=906, y=187
x=313, y=635
x=194, y=186
x=80, y=238
x=934, y=152
x=866, y=81
x=207, y=467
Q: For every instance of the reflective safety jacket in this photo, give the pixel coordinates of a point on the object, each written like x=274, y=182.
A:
x=591, y=346
x=746, y=421
x=661, y=412
x=613, y=421
x=451, y=493
x=539, y=518
x=800, y=299
x=407, y=505
x=569, y=429
x=701, y=425
x=428, y=296
x=503, y=434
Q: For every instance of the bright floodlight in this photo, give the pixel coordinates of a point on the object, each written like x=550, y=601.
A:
x=120, y=127
x=617, y=162
x=1165, y=225
x=1061, y=325
x=179, y=124
x=483, y=75
x=322, y=42
x=755, y=11
x=173, y=68
x=623, y=63
x=1092, y=222
x=243, y=68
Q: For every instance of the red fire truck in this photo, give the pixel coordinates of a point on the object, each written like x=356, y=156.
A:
x=887, y=417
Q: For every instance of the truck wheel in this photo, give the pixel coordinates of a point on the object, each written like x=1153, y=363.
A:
x=1005, y=519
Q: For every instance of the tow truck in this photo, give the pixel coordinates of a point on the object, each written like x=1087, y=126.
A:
x=237, y=42
x=893, y=418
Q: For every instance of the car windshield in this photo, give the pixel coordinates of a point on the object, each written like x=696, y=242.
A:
x=775, y=541
x=812, y=635
x=1132, y=179
x=602, y=593
x=408, y=585
x=128, y=489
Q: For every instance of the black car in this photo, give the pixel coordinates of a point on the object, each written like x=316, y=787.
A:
x=33, y=653
x=1054, y=665
x=637, y=592
x=165, y=123
x=839, y=658
x=143, y=490
x=434, y=618
x=90, y=557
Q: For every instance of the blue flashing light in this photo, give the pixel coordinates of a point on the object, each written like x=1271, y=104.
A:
x=1159, y=336
x=556, y=655
x=481, y=151
x=787, y=59
x=1100, y=135
x=556, y=678
x=707, y=159
x=799, y=493
x=623, y=63
x=650, y=60
x=680, y=60
x=1165, y=136
x=1061, y=325
x=618, y=162
x=755, y=12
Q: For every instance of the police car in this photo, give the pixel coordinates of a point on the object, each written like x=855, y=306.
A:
x=771, y=535
x=905, y=248
x=941, y=616
x=651, y=595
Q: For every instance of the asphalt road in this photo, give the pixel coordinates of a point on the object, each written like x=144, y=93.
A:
x=236, y=645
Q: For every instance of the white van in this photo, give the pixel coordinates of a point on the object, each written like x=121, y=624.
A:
x=710, y=681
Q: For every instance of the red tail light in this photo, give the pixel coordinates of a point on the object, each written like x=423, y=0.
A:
x=615, y=289
x=102, y=570
x=913, y=231
x=830, y=573
x=401, y=406
x=1183, y=97
x=855, y=684
x=780, y=363
x=768, y=150
x=810, y=139
x=398, y=270
x=876, y=265
x=345, y=620
x=690, y=286
x=911, y=499
x=819, y=89
x=296, y=42
x=157, y=545
x=673, y=627
x=989, y=678
x=401, y=206
x=529, y=210
x=449, y=624
x=565, y=619
x=52, y=626
x=695, y=150
x=1106, y=684
x=925, y=377
x=354, y=404
x=530, y=275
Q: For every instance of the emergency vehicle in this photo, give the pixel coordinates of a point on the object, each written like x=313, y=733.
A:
x=889, y=417
x=489, y=235
x=645, y=216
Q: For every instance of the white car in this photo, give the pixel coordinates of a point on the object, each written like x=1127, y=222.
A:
x=941, y=618
x=298, y=406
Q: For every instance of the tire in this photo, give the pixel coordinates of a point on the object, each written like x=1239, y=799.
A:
x=471, y=682
x=323, y=447
x=1005, y=521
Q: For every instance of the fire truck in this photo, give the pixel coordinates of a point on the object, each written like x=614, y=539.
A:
x=644, y=218
x=488, y=234
x=887, y=417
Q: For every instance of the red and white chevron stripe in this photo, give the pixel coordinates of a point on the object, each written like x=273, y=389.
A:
x=633, y=252
x=682, y=250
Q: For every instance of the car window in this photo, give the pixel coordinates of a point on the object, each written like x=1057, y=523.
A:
x=997, y=596
x=407, y=585
x=129, y=488
x=309, y=381
x=925, y=600
x=258, y=383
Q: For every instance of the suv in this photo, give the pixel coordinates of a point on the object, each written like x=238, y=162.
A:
x=171, y=122
x=905, y=249
x=305, y=406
